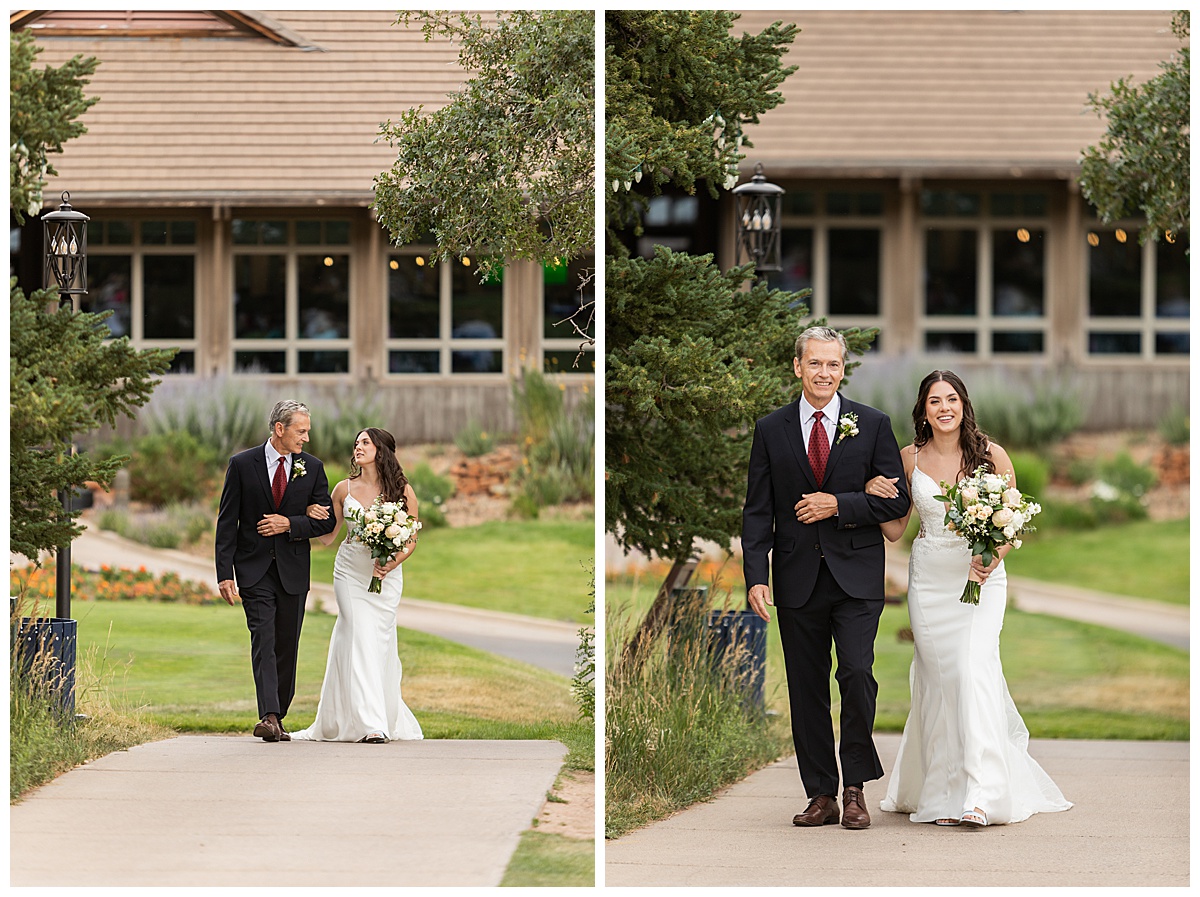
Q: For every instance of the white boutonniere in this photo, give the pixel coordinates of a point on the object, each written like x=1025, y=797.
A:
x=298, y=468
x=847, y=426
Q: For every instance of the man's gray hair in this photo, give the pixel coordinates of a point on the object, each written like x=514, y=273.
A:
x=825, y=335
x=284, y=411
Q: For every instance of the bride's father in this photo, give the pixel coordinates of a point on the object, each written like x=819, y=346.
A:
x=806, y=505
x=262, y=537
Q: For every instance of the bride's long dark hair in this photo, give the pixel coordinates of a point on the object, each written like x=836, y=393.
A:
x=972, y=442
x=387, y=466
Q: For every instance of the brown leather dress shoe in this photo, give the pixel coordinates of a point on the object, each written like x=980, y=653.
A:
x=268, y=728
x=854, y=809
x=822, y=810
x=283, y=735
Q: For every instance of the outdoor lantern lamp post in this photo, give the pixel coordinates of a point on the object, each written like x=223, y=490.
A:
x=759, y=222
x=66, y=268
x=66, y=249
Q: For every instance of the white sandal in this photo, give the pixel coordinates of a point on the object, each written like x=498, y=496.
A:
x=975, y=818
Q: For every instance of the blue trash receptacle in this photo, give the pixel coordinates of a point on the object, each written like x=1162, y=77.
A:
x=56, y=639
x=745, y=632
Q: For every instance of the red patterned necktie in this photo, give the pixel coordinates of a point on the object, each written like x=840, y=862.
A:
x=279, y=484
x=818, y=447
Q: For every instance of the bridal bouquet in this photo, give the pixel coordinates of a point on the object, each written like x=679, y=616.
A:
x=988, y=513
x=386, y=529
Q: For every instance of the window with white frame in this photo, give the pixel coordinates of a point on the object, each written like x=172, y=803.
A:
x=144, y=272
x=291, y=296
x=442, y=318
x=1139, y=297
x=984, y=272
x=566, y=288
x=832, y=242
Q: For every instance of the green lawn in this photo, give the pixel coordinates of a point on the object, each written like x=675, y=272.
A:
x=189, y=667
x=532, y=567
x=1068, y=679
x=1143, y=559
x=543, y=860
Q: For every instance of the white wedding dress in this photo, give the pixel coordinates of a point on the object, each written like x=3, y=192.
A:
x=964, y=744
x=361, y=691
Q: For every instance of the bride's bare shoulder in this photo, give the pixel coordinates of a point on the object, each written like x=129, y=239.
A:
x=340, y=490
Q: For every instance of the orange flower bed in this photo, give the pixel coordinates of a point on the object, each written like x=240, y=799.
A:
x=112, y=584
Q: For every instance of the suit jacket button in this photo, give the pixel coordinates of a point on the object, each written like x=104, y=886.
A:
x=817, y=547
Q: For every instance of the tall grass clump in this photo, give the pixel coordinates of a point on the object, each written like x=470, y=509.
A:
x=171, y=526
x=558, y=443
x=225, y=414
x=677, y=726
x=583, y=683
x=43, y=742
x=339, y=416
x=473, y=441
x=1175, y=428
x=1028, y=412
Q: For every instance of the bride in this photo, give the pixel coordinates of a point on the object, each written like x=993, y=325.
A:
x=964, y=755
x=360, y=697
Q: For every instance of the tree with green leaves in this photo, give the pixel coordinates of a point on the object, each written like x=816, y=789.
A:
x=1143, y=161
x=694, y=355
x=65, y=377
x=507, y=167
x=44, y=106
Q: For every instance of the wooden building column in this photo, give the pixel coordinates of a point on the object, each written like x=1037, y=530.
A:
x=523, y=314
x=1066, y=282
x=368, y=302
x=902, y=274
x=215, y=314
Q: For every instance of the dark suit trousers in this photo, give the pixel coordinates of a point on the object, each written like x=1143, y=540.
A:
x=274, y=618
x=806, y=632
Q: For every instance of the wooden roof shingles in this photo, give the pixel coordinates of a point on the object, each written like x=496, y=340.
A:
x=948, y=93
x=199, y=121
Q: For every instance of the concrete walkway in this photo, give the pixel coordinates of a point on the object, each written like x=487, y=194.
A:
x=549, y=644
x=234, y=810
x=1129, y=827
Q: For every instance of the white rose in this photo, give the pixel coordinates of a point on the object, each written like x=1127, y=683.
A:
x=393, y=531
x=992, y=483
x=403, y=534
x=398, y=542
x=1003, y=517
x=969, y=493
x=388, y=507
x=1018, y=520
x=1009, y=532
x=1012, y=497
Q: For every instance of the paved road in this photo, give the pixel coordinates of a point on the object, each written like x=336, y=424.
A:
x=549, y=644
x=1129, y=827
x=233, y=810
x=1163, y=622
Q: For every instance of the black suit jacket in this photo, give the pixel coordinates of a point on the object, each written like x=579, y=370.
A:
x=851, y=542
x=246, y=497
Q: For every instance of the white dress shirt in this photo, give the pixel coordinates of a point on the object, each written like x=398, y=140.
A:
x=272, y=459
x=829, y=421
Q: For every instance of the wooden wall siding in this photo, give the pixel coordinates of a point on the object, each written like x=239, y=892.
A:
x=920, y=92
x=193, y=121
